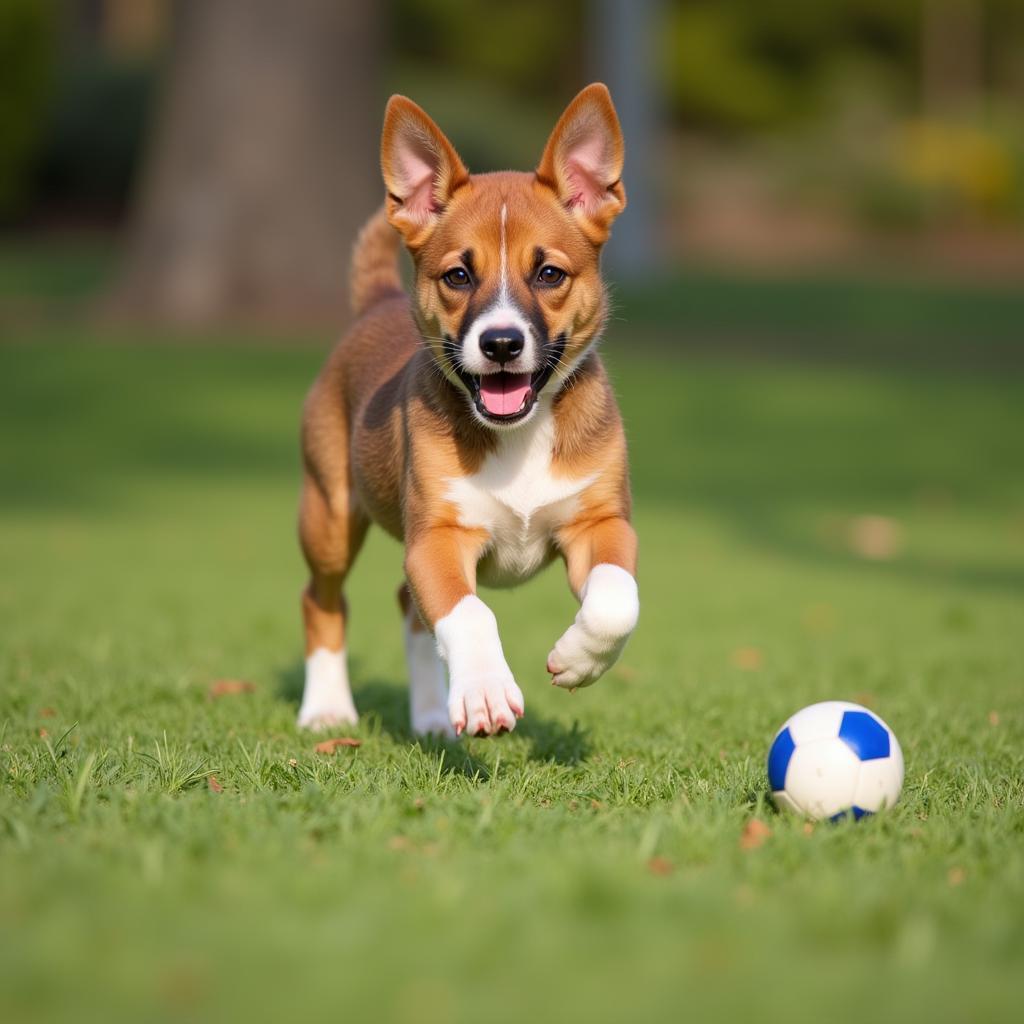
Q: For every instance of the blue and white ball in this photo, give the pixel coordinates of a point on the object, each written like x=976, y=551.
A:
x=833, y=759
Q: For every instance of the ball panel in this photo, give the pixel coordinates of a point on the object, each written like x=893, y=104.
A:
x=784, y=803
x=778, y=758
x=896, y=756
x=857, y=812
x=864, y=734
x=822, y=777
x=819, y=721
x=879, y=783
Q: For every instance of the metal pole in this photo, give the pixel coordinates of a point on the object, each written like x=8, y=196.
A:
x=624, y=58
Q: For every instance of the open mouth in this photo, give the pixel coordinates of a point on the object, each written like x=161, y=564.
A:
x=504, y=397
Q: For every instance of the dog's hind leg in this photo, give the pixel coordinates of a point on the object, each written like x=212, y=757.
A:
x=428, y=678
x=331, y=529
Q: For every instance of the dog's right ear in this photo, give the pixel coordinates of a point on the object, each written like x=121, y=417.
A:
x=421, y=169
x=582, y=162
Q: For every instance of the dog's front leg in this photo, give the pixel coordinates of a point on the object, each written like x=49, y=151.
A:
x=440, y=566
x=600, y=557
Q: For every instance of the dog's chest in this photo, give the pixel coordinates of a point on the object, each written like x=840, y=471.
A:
x=519, y=501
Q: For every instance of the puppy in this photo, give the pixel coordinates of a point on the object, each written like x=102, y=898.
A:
x=473, y=422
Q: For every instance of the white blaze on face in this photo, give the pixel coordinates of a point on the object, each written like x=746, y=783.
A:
x=503, y=271
x=503, y=312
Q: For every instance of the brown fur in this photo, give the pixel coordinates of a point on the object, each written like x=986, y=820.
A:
x=374, y=264
x=386, y=424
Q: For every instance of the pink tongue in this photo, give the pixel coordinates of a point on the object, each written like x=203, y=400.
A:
x=503, y=393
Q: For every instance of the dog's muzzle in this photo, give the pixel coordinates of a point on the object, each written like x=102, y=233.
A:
x=504, y=397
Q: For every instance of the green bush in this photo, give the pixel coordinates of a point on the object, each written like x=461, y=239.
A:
x=95, y=131
x=735, y=67
x=28, y=39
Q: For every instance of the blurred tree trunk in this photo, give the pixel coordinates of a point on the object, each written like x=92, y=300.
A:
x=953, y=55
x=262, y=165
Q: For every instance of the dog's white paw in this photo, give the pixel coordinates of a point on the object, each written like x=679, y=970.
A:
x=428, y=685
x=326, y=698
x=433, y=722
x=578, y=659
x=483, y=698
x=485, y=704
x=593, y=643
x=318, y=719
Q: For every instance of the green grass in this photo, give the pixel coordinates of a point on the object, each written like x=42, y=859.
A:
x=55, y=275
x=147, y=547
x=878, y=312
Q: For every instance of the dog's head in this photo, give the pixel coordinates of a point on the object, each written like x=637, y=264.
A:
x=508, y=288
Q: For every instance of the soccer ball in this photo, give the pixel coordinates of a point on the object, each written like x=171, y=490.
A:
x=833, y=759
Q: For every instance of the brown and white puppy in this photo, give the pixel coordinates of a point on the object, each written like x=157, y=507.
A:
x=475, y=422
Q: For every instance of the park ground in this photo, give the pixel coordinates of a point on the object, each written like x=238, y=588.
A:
x=830, y=502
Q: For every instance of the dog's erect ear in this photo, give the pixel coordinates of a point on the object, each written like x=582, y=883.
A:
x=582, y=161
x=421, y=169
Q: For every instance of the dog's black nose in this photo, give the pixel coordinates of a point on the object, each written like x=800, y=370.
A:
x=502, y=344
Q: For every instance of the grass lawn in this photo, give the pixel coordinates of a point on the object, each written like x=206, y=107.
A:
x=586, y=867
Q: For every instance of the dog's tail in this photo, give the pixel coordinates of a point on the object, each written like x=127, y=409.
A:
x=375, y=273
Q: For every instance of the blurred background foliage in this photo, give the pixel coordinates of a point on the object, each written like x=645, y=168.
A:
x=850, y=119
x=27, y=57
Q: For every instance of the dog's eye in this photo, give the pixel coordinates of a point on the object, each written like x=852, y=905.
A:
x=456, y=278
x=550, y=276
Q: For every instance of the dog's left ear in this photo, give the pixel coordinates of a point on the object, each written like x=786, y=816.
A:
x=421, y=169
x=582, y=162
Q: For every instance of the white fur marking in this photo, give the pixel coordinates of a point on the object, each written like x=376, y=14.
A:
x=503, y=299
x=482, y=695
x=503, y=312
x=428, y=686
x=327, y=697
x=517, y=499
x=592, y=644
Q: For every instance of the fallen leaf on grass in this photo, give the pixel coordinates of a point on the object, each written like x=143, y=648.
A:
x=229, y=688
x=956, y=876
x=215, y=786
x=403, y=844
x=744, y=895
x=876, y=538
x=755, y=834
x=43, y=733
x=819, y=618
x=330, y=746
x=993, y=718
x=47, y=712
x=808, y=829
x=660, y=866
x=749, y=659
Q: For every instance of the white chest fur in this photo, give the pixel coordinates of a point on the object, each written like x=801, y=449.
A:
x=515, y=497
